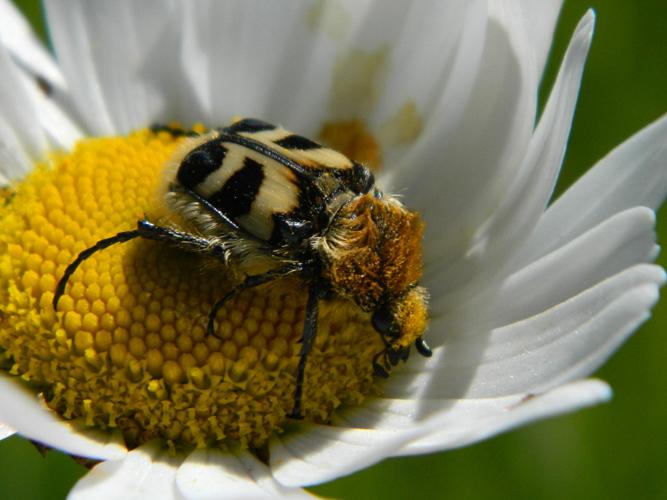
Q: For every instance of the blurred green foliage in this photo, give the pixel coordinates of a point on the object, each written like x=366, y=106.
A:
x=614, y=451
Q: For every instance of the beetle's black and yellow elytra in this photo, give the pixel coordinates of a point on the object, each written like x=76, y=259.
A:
x=269, y=203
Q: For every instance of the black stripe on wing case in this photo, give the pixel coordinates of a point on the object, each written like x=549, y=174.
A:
x=263, y=149
x=200, y=163
x=236, y=196
x=249, y=125
x=297, y=142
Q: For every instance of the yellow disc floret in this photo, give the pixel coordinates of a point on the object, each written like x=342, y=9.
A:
x=127, y=348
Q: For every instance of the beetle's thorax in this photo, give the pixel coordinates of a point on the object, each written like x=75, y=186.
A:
x=372, y=251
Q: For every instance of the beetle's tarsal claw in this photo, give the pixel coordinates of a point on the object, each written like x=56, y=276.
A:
x=394, y=356
x=210, y=327
x=295, y=415
x=423, y=348
x=379, y=370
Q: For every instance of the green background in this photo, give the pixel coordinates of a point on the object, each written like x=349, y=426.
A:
x=617, y=450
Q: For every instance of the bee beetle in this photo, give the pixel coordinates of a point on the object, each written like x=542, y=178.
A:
x=270, y=204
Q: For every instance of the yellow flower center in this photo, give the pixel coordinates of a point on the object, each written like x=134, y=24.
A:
x=127, y=348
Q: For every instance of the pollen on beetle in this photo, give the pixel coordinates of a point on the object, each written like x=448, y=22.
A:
x=127, y=348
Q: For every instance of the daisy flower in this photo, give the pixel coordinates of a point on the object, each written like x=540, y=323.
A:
x=527, y=298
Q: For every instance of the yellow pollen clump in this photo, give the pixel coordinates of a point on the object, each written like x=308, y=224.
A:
x=127, y=348
x=354, y=140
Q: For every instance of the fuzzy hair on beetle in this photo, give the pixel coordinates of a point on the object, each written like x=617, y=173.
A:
x=268, y=204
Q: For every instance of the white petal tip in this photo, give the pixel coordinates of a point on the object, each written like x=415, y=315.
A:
x=662, y=275
x=487, y=417
x=599, y=390
x=576, y=395
x=586, y=27
x=589, y=19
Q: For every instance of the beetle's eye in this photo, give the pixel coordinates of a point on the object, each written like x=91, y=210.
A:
x=383, y=322
x=363, y=179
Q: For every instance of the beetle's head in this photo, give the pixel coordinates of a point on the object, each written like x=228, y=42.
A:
x=401, y=323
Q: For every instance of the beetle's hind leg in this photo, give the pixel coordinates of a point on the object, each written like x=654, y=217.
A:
x=250, y=282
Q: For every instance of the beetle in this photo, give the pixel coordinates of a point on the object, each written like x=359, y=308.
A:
x=268, y=204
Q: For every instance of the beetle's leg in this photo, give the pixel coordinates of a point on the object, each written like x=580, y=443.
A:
x=423, y=348
x=307, y=339
x=100, y=245
x=250, y=282
x=150, y=231
x=146, y=230
x=378, y=369
x=174, y=131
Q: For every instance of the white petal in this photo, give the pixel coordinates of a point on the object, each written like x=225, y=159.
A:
x=263, y=476
x=28, y=117
x=481, y=419
x=14, y=160
x=213, y=474
x=234, y=72
x=478, y=160
x=107, y=52
x=626, y=239
x=6, y=431
x=246, y=58
x=20, y=40
x=526, y=197
x=539, y=19
x=421, y=425
x=444, y=40
x=21, y=137
x=563, y=343
x=140, y=474
x=330, y=60
x=50, y=120
x=319, y=453
x=448, y=423
x=460, y=168
x=21, y=409
x=62, y=132
x=393, y=414
x=632, y=174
